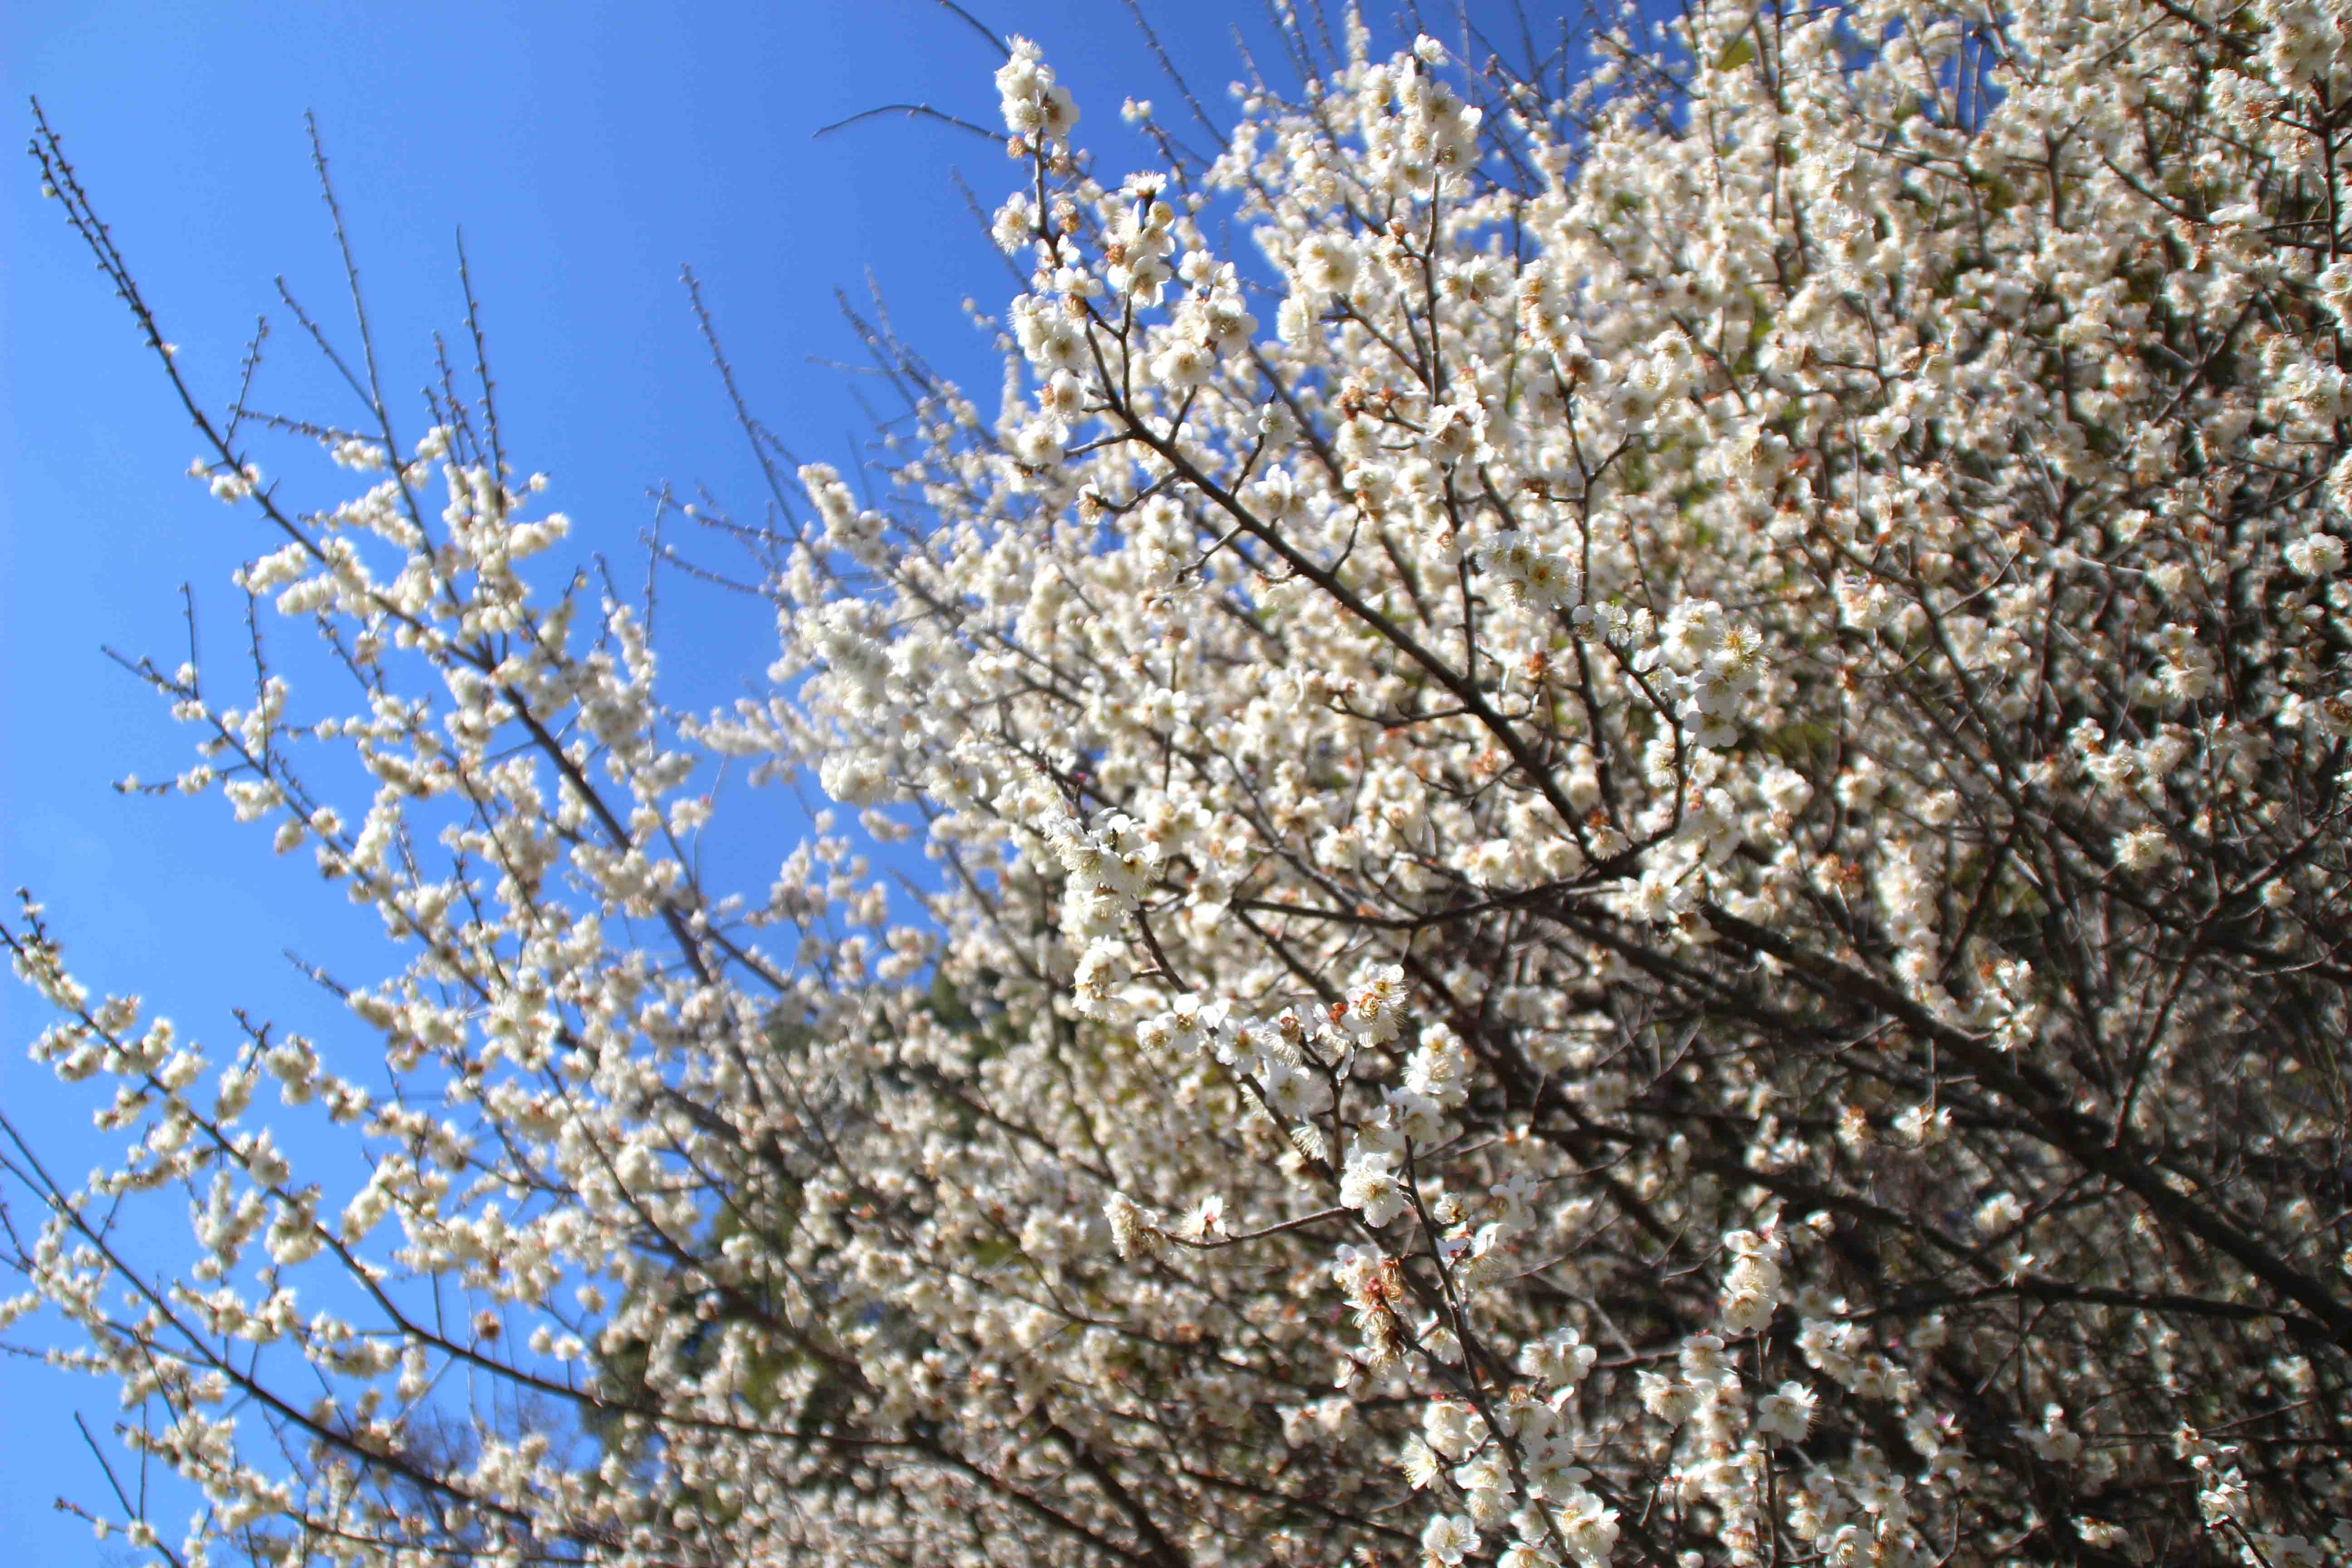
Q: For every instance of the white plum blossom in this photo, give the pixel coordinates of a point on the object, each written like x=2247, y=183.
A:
x=1515, y=681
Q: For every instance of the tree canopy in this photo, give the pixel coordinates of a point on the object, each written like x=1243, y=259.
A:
x=1636, y=763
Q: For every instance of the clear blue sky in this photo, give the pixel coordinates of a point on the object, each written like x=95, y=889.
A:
x=587, y=150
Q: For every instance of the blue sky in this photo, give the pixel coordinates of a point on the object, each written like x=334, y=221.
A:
x=586, y=150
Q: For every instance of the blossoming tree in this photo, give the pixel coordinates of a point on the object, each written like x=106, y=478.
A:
x=1642, y=856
